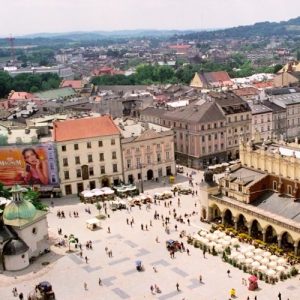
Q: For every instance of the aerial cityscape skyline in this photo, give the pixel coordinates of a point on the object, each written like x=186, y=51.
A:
x=91, y=15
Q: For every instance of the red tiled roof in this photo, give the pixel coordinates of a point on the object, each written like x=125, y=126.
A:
x=21, y=96
x=247, y=91
x=180, y=46
x=263, y=85
x=219, y=76
x=76, y=129
x=75, y=84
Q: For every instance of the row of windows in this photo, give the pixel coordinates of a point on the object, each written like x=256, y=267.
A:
x=88, y=145
x=236, y=118
x=89, y=158
x=212, y=136
x=90, y=171
x=235, y=130
x=210, y=149
x=149, y=161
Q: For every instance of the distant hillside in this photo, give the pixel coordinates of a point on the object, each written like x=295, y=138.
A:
x=264, y=29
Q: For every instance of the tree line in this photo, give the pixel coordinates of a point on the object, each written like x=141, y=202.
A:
x=155, y=74
x=27, y=83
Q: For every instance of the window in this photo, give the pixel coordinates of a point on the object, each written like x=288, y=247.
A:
x=208, y=126
x=229, y=119
x=128, y=163
x=209, y=137
x=114, y=155
x=89, y=145
x=181, y=135
x=275, y=185
x=138, y=161
x=90, y=158
x=65, y=162
x=102, y=169
x=209, y=149
x=289, y=190
x=100, y=144
x=235, y=119
x=158, y=158
x=63, y=148
x=101, y=156
x=240, y=188
x=148, y=159
x=202, y=127
x=137, y=150
x=167, y=155
x=68, y=189
x=148, y=148
x=158, y=146
x=235, y=129
x=222, y=134
x=216, y=136
x=78, y=173
x=222, y=146
x=242, y=118
x=221, y=124
x=115, y=168
x=203, y=150
x=216, y=148
x=203, y=138
x=77, y=160
x=112, y=141
x=66, y=175
x=91, y=171
x=76, y=147
x=215, y=125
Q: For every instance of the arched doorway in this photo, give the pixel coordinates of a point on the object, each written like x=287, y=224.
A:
x=149, y=174
x=271, y=235
x=105, y=181
x=287, y=242
x=241, y=224
x=256, y=230
x=228, y=219
x=216, y=214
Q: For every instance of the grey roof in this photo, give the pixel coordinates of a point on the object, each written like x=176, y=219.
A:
x=259, y=109
x=152, y=111
x=246, y=175
x=280, y=205
x=15, y=247
x=204, y=112
x=5, y=234
x=282, y=91
x=273, y=106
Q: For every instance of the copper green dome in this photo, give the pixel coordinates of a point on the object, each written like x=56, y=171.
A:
x=19, y=210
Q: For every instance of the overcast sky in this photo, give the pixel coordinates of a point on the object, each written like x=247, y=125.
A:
x=32, y=16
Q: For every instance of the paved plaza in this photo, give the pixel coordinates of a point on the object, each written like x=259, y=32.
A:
x=120, y=280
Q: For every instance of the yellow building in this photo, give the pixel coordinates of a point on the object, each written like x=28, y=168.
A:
x=260, y=195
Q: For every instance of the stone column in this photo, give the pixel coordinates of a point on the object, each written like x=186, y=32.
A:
x=264, y=235
x=279, y=239
x=249, y=228
x=223, y=218
x=235, y=220
x=296, y=248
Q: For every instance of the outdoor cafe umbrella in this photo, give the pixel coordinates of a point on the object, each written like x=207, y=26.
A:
x=264, y=261
x=249, y=261
x=249, y=254
x=267, y=254
x=234, y=241
x=255, y=264
x=281, y=261
x=88, y=194
x=258, y=251
x=241, y=258
x=280, y=268
x=274, y=257
x=258, y=258
x=263, y=268
x=234, y=254
x=272, y=264
x=271, y=272
x=203, y=233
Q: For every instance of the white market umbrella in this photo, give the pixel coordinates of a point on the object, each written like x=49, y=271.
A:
x=258, y=251
x=264, y=261
x=251, y=248
x=258, y=258
x=281, y=261
x=234, y=254
x=274, y=257
x=212, y=244
x=88, y=194
x=234, y=241
x=203, y=233
x=271, y=272
x=263, y=268
x=227, y=238
x=241, y=258
x=267, y=254
x=217, y=232
x=249, y=261
x=225, y=243
x=272, y=264
x=255, y=264
x=249, y=254
x=219, y=248
x=243, y=250
x=280, y=268
x=222, y=234
x=97, y=192
x=209, y=236
x=214, y=237
x=196, y=236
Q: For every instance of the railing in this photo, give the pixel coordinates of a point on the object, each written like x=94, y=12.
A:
x=241, y=207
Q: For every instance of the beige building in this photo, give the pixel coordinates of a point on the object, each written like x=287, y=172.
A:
x=260, y=195
x=89, y=153
x=147, y=150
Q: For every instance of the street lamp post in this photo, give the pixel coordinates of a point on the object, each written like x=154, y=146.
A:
x=141, y=172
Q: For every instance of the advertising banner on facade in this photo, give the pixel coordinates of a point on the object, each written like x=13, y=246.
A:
x=28, y=165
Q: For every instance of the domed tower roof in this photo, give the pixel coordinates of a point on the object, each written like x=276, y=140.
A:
x=18, y=210
x=15, y=247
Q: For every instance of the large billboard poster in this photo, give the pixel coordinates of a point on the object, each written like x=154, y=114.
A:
x=28, y=165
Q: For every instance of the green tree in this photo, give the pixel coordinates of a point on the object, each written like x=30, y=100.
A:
x=4, y=192
x=33, y=197
x=5, y=84
x=3, y=140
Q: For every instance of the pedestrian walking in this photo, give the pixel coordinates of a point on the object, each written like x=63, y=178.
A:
x=177, y=287
x=188, y=251
x=154, y=269
x=200, y=278
x=86, y=259
x=100, y=281
x=228, y=273
x=85, y=286
x=279, y=296
x=108, y=229
x=152, y=289
x=142, y=226
x=21, y=296
x=15, y=292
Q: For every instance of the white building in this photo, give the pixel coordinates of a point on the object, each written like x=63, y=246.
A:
x=89, y=153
